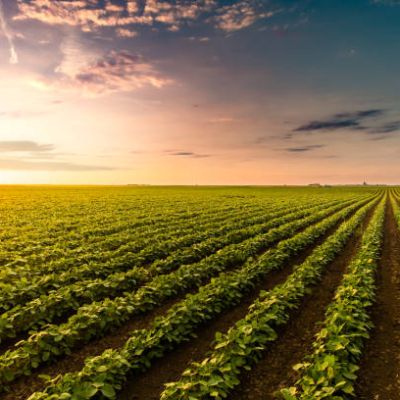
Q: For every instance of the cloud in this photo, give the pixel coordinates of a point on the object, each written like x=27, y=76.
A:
x=125, y=33
x=368, y=121
x=89, y=15
x=92, y=15
x=361, y=114
x=304, y=149
x=190, y=154
x=348, y=120
x=16, y=164
x=27, y=150
x=386, y=128
x=239, y=15
x=115, y=71
x=202, y=39
x=8, y=35
x=328, y=125
x=24, y=146
x=74, y=55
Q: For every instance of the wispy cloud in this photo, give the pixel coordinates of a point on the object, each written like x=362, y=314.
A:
x=16, y=164
x=24, y=146
x=189, y=154
x=348, y=120
x=8, y=35
x=370, y=122
x=115, y=71
x=31, y=155
x=304, y=149
x=388, y=127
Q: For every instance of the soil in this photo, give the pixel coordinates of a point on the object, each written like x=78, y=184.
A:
x=379, y=374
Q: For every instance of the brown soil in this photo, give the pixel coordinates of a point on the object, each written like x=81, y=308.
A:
x=149, y=385
x=379, y=374
x=275, y=370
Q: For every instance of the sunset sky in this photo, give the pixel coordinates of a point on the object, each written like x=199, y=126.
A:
x=199, y=92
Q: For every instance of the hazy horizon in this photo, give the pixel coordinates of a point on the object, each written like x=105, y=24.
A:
x=208, y=92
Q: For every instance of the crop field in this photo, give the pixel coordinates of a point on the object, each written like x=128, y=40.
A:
x=186, y=293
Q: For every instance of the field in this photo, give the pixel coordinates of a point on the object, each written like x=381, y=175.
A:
x=185, y=293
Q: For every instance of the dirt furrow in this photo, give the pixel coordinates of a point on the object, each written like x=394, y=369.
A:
x=379, y=374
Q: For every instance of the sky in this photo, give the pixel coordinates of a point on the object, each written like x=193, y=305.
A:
x=252, y=92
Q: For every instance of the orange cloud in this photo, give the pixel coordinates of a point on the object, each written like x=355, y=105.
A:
x=116, y=71
x=239, y=16
x=91, y=15
x=125, y=33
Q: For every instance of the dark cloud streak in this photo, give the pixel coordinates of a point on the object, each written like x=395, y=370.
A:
x=190, y=154
x=350, y=120
x=389, y=127
x=303, y=149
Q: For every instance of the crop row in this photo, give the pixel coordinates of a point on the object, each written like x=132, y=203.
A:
x=26, y=276
x=330, y=371
x=33, y=288
x=105, y=373
x=71, y=223
x=47, y=260
x=46, y=307
x=123, y=231
x=77, y=227
x=96, y=319
x=243, y=344
x=396, y=208
x=121, y=234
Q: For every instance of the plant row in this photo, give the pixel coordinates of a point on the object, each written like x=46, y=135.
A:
x=27, y=290
x=243, y=344
x=47, y=260
x=69, y=233
x=103, y=374
x=331, y=370
x=45, y=308
x=97, y=319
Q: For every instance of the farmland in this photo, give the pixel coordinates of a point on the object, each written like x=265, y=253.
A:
x=184, y=293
